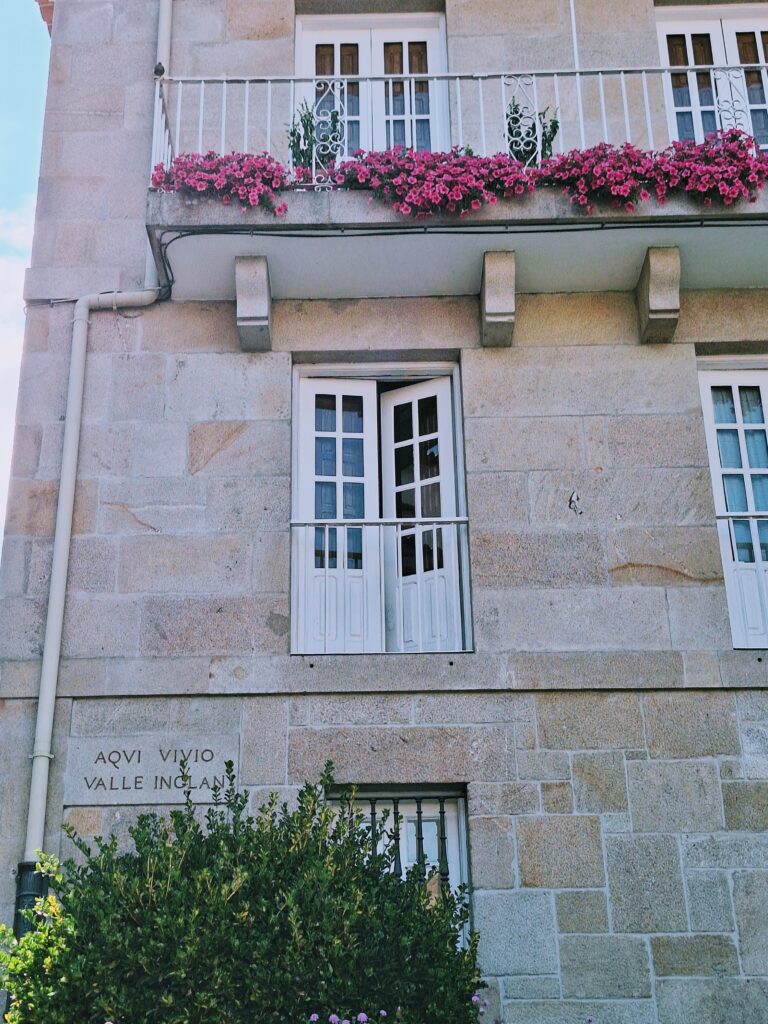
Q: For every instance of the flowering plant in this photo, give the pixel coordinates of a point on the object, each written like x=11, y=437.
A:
x=246, y=178
x=726, y=167
x=423, y=184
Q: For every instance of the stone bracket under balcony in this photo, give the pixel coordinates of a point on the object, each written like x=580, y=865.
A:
x=347, y=245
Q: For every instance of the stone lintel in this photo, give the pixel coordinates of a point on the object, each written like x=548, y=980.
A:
x=254, y=303
x=497, y=299
x=658, y=294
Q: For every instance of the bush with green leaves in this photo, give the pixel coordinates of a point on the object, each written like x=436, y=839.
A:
x=263, y=919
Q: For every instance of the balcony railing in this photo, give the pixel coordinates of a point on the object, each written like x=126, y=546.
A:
x=316, y=122
x=396, y=586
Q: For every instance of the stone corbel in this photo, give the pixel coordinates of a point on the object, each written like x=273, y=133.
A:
x=497, y=299
x=254, y=303
x=658, y=294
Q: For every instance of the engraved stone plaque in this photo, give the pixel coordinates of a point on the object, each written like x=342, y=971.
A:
x=146, y=769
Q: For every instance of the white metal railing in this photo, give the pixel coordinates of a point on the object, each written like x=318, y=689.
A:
x=526, y=115
x=384, y=585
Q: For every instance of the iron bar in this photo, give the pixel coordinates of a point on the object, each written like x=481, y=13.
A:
x=420, y=858
x=443, y=846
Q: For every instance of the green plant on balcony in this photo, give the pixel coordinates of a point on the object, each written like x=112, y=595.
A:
x=530, y=138
x=314, y=139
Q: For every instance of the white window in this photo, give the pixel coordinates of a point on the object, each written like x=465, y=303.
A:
x=722, y=81
x=379, y=529
x=367, y=77
x=735, y=404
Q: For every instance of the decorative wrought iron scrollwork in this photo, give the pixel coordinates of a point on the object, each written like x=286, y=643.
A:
x=731, y=99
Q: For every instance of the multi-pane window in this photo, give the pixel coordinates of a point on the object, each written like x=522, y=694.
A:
x=718, y=77
x=735, y=405
x=379, y=533
x=370, y=79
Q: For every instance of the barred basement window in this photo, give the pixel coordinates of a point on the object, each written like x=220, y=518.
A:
x=379, y=534
x=735, y=404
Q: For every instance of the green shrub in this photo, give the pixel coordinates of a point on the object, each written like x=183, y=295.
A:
x=241, y=919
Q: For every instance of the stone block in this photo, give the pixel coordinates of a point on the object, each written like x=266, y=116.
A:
x=260, y=503
x=709, y=902
x=240, y=448
x=186, y=327
x=159, y=449
x=26, y=451
x=497, y=299
x=118, y=717
x=750, y=899
x=506, y=444
x=589, y=720
x=728, y=851
x=579, y=318
x=270, y=571
x=669, y=555
x=598, y=670
x=173, y=675
x=527, y=558
x=219, y=716
x=494, y=798
x=92, y=564
x=31, y=509
x=543, y=765
x=100, y=626
x=693, y=955
x=497, y=499
x=575, y=619
x=184, y=565
x=228, y=625
x=582, y=911
x=753, y=707
x=754, y=740
x=359, y=710
x=731, y=769
x=14, y=563
x=151, y=505
x=680, y=725
x=701, y=670
x=492, y=853
x=604, y=967
x=467, y=709
x=674, y=796
x=577, y=1011
x=560, y=852
x=645, y=884
x=517, y=933
x=531, y=988
x=21, y=628
x=613, y=823
x=599, y=782
x=658, y=440
x=403, y=754
x=227, y=386
x=658, y=294
x=698, y=618
x=263, y=754
x=712, y=1001
x=557, y=797
x=637, y=497
x=746, y=806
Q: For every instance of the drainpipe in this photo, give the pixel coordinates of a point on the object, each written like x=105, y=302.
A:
x=165, y=20
x=29, y=884
x=574, y=36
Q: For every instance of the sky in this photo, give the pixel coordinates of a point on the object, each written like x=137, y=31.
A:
x=24, y=49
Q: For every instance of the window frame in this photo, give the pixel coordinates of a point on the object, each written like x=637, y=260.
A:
x=382, y=372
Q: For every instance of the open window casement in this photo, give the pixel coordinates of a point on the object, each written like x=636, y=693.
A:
x=717, y=78
x=734, y=405
x=378, y=547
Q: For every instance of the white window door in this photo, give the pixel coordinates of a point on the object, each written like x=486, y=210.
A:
x=422, y=591
x=361, y=77
x=746, y=43
x=735, y=405
x=337, y=556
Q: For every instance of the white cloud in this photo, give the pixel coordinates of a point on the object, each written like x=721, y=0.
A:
x=15, y=244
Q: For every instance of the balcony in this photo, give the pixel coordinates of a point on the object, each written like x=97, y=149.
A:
x=361, y=248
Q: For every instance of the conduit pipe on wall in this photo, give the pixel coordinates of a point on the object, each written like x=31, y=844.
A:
x=42, y=754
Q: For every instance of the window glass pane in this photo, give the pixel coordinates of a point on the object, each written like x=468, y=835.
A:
x=429, y=834
x=678, y=51
x=350, y=60
x=319, y=547
x=417, y=58
x=352, y=456
x=324, y=60
x=408, y=554
x=760, y=123
x=352, y=414
x=757, y=448
x=735, y=494
x=325, y=412
x=681, y=94
x=708, y=121
x=728, y=445
x=332, y=558
x=423, y=139
x=702, y=49
x=706, y=91
x=760, y=492
x=722, y=401
x=751, y=405
x=354, y=548
x=404, y=465
x=747, y=44
x=427, y=551
x=743, y=537
x=764, y=36
x=325, y=456
x=405, y=504
x=430, y=501
x=429, y=459
x=403, y=422
x=440, y=564
x=393, y=58
x=685, y=129
x=428, y=415
x=354, y=501
x=762, y=533
x=325, y=501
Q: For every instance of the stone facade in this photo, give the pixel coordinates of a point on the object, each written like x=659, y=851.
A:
x=613, y=745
